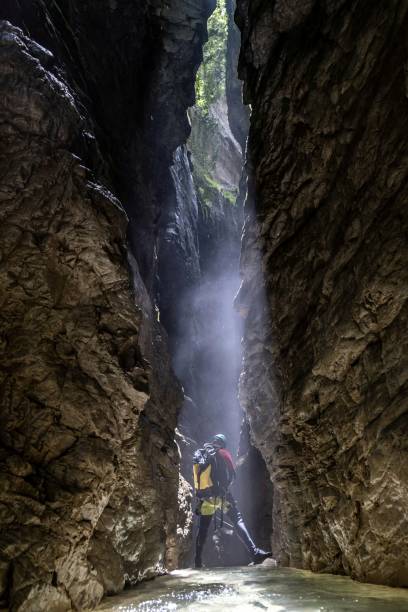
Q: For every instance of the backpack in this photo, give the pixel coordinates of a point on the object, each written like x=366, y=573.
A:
x=211, y=475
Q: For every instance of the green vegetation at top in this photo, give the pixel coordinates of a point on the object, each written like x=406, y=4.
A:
x=208, y=141
x=210, y=192
x=210, y=82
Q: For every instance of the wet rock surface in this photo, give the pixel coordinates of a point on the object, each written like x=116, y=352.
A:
x=238, y=114
x=254, y=491
x=179, y=267
x=132, y=67
x=325, y=279
x=88, y=463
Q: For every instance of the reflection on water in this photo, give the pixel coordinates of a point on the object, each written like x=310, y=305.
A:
x=257, y=588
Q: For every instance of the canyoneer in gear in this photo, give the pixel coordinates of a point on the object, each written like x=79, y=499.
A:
x=214, y=471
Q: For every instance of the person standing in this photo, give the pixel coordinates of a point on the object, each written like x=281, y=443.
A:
x=214, y=472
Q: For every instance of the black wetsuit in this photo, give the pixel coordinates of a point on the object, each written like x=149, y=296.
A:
x=231, y=512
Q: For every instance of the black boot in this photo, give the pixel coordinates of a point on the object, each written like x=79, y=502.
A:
x=257, y=554
x=260, y=555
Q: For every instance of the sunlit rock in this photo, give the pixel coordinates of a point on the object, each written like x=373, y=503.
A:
x=88, y=462
x=324, y=267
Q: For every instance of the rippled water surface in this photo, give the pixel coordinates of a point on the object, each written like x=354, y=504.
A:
x=257, y=588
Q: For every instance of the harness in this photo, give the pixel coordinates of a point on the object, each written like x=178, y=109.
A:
x=211, y=482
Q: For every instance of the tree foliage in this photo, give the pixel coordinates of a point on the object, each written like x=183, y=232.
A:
x=210, y=83
x=206, y=136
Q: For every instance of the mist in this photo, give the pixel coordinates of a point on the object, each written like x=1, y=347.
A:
x=214, y=350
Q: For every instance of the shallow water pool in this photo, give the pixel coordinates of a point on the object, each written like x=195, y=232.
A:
x=257, y=588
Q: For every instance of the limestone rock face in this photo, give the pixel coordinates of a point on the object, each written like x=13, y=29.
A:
x=238, y=115
x=90, y=118
x=179, y=265
x=132, y=65
x=326, y=279
x=68, y=404
x=254, y=491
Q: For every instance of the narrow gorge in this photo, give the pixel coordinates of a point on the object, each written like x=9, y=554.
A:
x=203, y=229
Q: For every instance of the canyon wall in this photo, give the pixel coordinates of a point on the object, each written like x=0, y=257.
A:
x=325, y=278
x=94, y=99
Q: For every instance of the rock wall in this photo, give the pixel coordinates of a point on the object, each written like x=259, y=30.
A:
x=324, y=265
x=132, y=67
x=179, y=267
x=94, y=99
x=238, y=114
